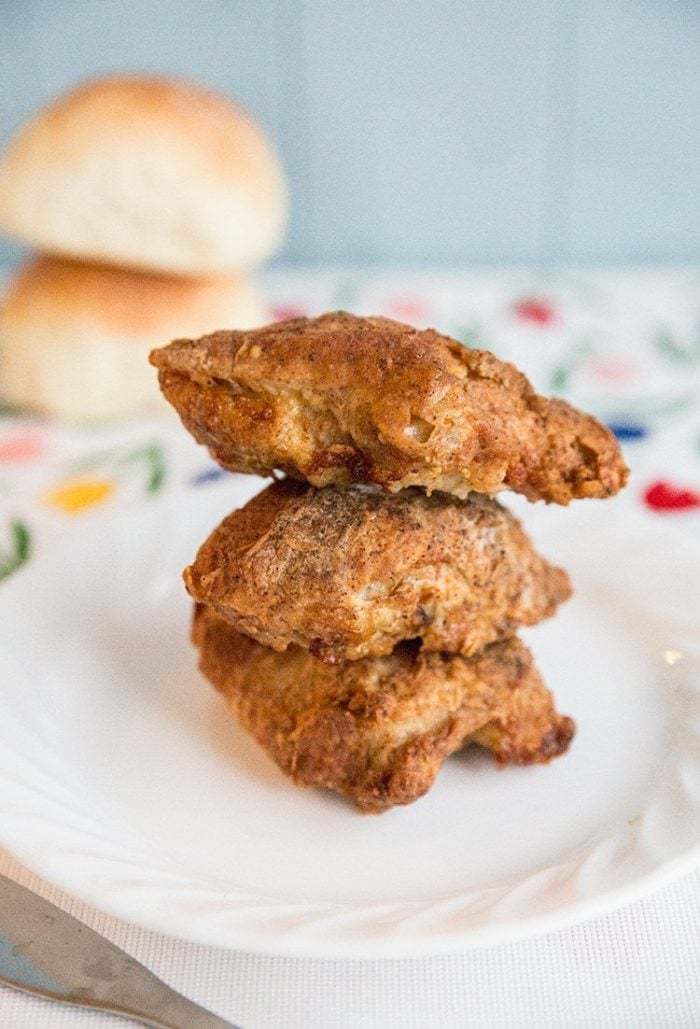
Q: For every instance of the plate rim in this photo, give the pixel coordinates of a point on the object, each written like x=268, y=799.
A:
x=388, y=947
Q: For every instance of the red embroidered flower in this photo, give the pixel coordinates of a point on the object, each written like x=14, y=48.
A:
x=409, y=309
x=664, y=496
x=535, y=310
x=613, y=368
x=24, y=446
x=284, y=312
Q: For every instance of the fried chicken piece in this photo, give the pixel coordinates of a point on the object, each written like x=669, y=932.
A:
x=341, y=399
x=378, y=730
x=349, y=573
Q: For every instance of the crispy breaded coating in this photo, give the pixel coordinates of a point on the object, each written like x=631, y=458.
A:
x=349, y=573
x=378, y=730
x=341, y=399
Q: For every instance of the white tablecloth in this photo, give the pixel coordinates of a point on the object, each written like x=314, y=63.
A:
x=625, y=344
x=639, y=966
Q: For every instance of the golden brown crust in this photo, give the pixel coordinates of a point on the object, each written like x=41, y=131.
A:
x=341, y=399
x=349, y=573
x=378, y=730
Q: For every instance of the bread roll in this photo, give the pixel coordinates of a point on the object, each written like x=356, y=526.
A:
x=150, y=173
x=75, y=338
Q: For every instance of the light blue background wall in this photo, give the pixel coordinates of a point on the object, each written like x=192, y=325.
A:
x=475, y=132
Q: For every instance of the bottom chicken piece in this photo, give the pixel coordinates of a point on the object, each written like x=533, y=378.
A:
x=377, y=730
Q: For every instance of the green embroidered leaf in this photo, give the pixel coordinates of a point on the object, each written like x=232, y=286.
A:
x=154, y=459
x=674, y=351
x=559, y=379
x=21, y=549
x=156, y=479
x=676, y=405
x=469, y=335
x=23, y=541
x=561, y=374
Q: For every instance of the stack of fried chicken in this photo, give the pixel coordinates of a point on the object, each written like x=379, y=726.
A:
x=360, y=614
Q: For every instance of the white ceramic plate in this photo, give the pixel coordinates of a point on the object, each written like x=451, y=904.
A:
x=124, y=781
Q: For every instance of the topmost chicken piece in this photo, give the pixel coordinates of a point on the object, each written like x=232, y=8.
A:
x=341, y=399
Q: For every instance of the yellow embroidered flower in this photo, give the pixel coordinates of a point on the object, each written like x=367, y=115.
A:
x=76, y=495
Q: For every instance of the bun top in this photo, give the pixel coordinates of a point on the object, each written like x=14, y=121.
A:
x=148, y=172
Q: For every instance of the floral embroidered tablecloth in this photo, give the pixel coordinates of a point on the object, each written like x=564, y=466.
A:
x=623, y=344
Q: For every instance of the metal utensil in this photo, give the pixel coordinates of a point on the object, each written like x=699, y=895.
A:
x=47, y=952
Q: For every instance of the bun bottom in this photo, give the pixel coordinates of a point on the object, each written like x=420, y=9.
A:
x=63, y=353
